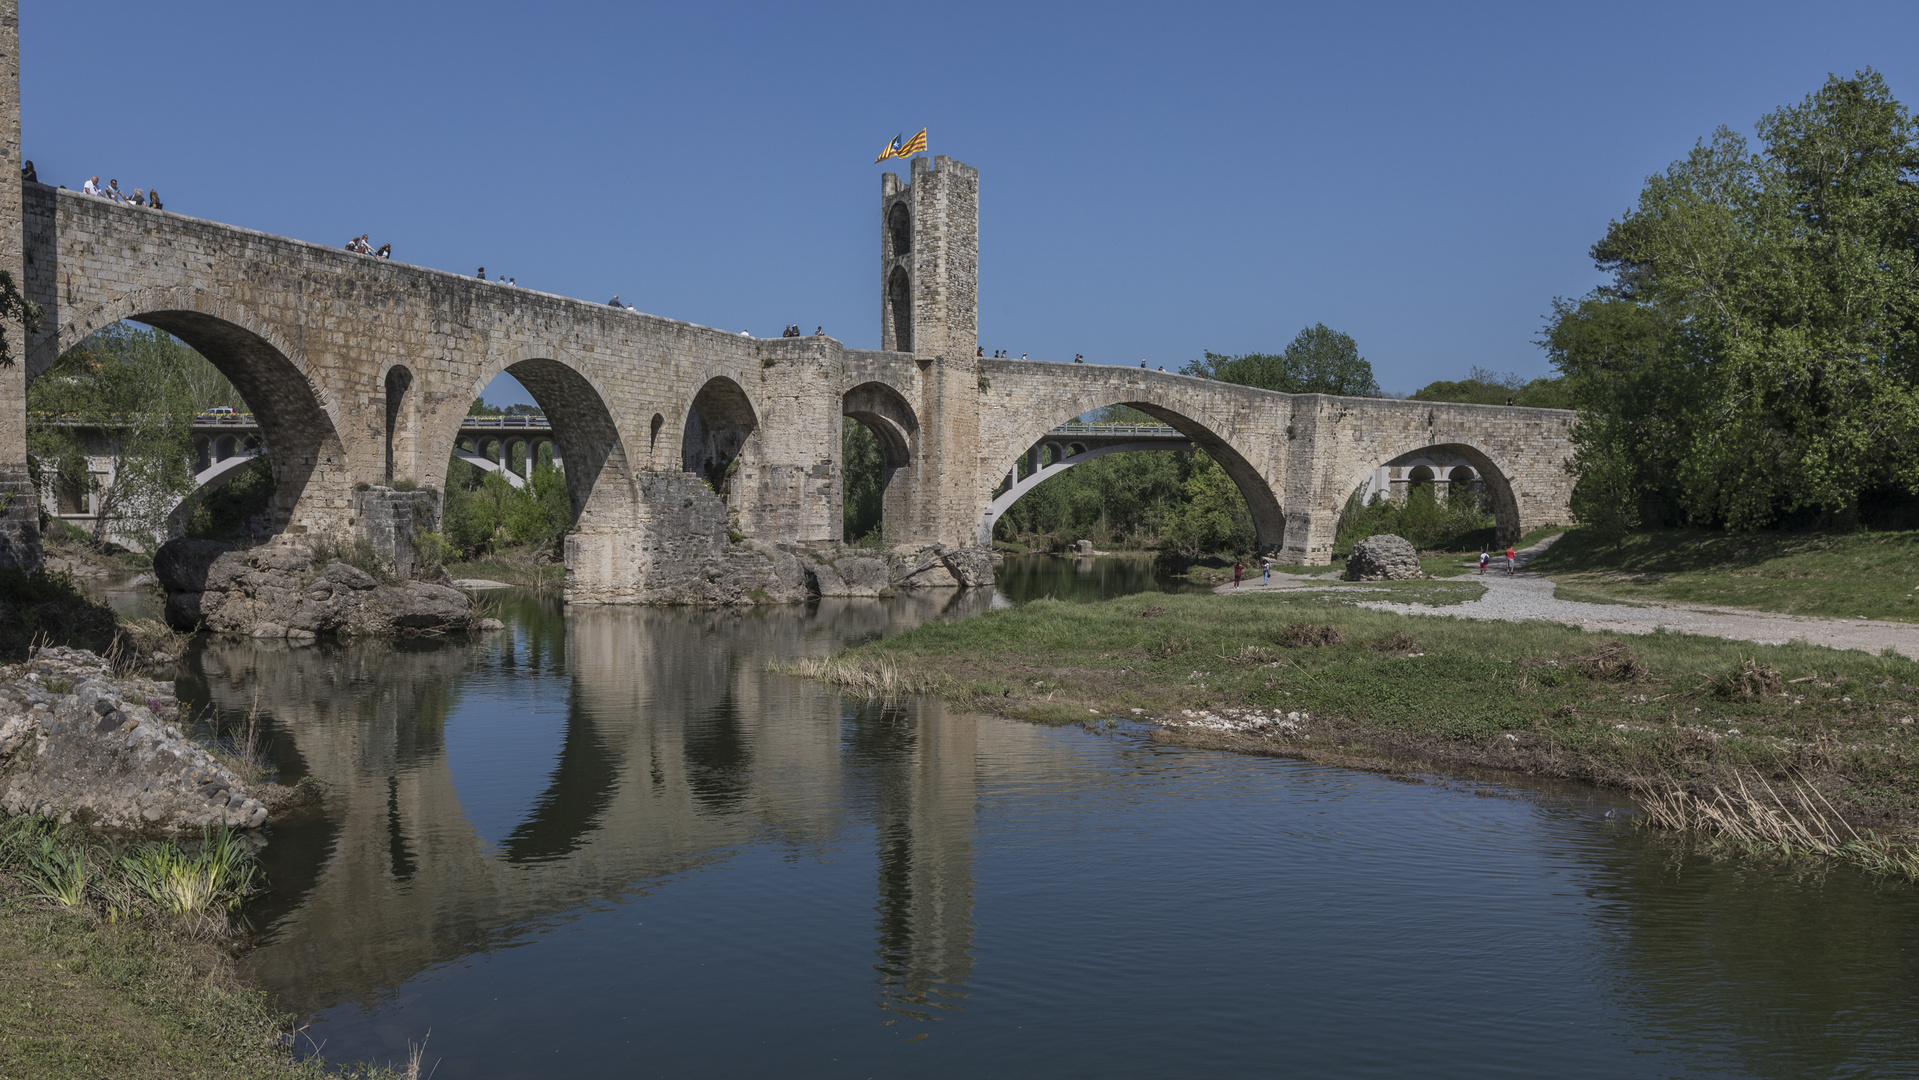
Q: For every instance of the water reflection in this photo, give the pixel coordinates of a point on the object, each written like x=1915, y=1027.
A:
x=1086, y=577
x=659, y=742
x=611, y=835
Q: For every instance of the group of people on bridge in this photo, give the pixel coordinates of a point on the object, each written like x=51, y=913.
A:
x=359, y=245
x=794, y=331
x=112, y=192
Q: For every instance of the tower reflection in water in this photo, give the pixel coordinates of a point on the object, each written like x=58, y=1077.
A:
x=475, y=793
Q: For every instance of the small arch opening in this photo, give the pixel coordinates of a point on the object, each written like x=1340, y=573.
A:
x=899, y=225
x=878, y=439
x=398, y=381
x=899, y=299
x=718, y=425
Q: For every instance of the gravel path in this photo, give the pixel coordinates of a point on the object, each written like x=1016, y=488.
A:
x=1526, y=597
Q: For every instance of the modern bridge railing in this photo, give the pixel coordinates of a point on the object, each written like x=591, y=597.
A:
x=1164, y=430
x=534, y=421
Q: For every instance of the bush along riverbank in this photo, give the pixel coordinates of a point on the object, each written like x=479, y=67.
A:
x=121, y=872
x=1726, y=739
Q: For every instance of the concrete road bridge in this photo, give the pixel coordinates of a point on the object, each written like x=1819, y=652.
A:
x=359, y=371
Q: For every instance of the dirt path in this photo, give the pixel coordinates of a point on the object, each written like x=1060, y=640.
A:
x=1523, y=597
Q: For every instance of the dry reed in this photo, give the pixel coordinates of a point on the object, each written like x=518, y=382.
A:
x=1757, y=817
x=874, y=678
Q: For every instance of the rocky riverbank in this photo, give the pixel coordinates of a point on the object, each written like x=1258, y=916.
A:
x=80, y=742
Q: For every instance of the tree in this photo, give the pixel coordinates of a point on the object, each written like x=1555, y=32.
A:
x=1214, y=517
x=1756, y=353
x=1320, y=360
x=861, y=492
x=1485, y=387
x=141, y=388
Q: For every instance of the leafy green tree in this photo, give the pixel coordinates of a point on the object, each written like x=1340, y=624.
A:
x=1485, y=387
x=1320, y=360
x=863, y=470
x=1214, y=516
x=1756, y=353
x=141, y=388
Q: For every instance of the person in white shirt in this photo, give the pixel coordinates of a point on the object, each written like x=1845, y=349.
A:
x=91, y=187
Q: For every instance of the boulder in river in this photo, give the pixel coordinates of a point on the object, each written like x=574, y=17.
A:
x=280, y=590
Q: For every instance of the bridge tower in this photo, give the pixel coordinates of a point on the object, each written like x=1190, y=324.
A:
x=929, y=306
x=19, y=509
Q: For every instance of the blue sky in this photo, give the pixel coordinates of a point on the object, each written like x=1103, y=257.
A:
x=1155, y=181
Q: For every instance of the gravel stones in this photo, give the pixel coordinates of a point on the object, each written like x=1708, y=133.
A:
x=1383, y=558
x=77, y=740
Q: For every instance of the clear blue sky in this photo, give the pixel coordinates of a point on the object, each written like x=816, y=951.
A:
x=1155, y=181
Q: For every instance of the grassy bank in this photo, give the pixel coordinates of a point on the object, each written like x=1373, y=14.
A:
x=116, y=960
x=1840, y=575
x=1312, y=675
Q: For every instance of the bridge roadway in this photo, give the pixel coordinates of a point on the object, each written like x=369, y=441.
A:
x=359, y=372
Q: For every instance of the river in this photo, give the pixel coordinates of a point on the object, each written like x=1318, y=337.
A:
x=609, y=842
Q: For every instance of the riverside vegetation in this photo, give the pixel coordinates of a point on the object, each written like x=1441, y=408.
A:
x=116, y=960
x=1688, y=722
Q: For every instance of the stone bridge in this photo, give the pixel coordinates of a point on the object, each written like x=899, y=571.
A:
x=359, y=372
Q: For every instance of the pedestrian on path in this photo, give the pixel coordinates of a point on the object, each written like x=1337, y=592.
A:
x=1238, y=569
x=1483, y=560
x=1510, y=556
x=1266, y=568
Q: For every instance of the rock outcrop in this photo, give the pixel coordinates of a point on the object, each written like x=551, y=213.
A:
x=77, y=740
x=280, y=590
x=1383, y=558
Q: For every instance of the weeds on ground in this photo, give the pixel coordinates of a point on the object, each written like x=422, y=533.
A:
x=1538, y=697
x=1839, y=575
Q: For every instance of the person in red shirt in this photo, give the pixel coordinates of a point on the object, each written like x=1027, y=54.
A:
x=1510, y=556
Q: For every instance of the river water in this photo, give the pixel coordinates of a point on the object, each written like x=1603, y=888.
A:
x=609, y=842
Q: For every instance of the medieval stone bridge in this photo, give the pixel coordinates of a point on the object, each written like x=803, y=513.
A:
x=359, y=372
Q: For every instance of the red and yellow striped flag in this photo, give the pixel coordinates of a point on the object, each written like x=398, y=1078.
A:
x=898, y=149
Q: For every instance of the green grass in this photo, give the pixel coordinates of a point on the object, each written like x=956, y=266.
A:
x=115, y=961
x=1452, y=695
x=1840, y=575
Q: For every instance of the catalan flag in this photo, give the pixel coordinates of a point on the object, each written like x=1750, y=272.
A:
x=902, y=147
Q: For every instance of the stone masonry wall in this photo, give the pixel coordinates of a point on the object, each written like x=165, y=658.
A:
x=310, y=333
x=19, y=514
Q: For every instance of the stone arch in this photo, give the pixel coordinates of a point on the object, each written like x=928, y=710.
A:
x=1494, y=478
x=899, y=305
x=1269, y=520
x=598, y=475
x=886, y=413
x=400, y=433
x=899, y=227
x=313, y=475
x=719, y=424
x=1418, y=476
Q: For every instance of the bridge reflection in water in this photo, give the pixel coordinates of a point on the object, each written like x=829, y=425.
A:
x=475, y=793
